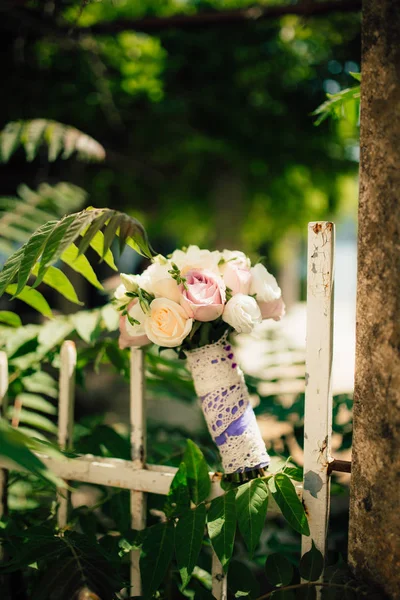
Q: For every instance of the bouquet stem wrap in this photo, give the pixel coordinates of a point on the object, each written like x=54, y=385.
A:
x=224, y=399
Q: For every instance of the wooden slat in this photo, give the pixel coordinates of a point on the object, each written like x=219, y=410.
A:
x=66, y=417
x=318, y=398
x=219, y=579
x=138, y=449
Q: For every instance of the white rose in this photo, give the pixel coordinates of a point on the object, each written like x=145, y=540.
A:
x=236, y=257
x=195, y=258
x=130, y=282
x=157, y=281
x=242, y=313
x=264, y=285
x=120, y=296
x=168, y=324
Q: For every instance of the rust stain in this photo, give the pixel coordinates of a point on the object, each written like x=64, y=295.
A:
x=305, y=508
x=324, y=445
x=217, y=476
x=317, y=228
x=329, y=226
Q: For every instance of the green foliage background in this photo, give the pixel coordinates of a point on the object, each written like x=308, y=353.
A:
x=199, y=125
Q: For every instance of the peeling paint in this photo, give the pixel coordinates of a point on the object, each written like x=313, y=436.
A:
x=313, y=483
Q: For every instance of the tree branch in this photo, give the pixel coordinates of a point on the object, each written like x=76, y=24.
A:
x=227, y=17
x=32, y=20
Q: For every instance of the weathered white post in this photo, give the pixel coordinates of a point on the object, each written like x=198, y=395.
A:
x=318, y=397
x=66, y=401
x=138, y=451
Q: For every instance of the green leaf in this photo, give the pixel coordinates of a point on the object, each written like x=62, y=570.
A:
x=89, y=235
x=10, y=318
x=81, y=265
x=10, y=140
x=32, y=134
x=54, y=135
x=32, y=251
x=295, y=473
x=41, y=383
x=120, y=510
x=14, y=446
x=97, y=244
x=62, y=236
x=197, y=473
x=251, y=510
x=36, y=402
x=111, y=230
x=58, y=280
x=178, y=499
x=31, y=137
x=279, y=569
x=113, y=442
x=311, y=564
x=33, y=298
x=356, y=76
x=189, y=533
x=221, y=525
x=53, y=333
x=285, y=496
x=32, y=418
x=156, y=555
x=131, y=229
x=10, y=269
x=242, y=580
x=87, y=325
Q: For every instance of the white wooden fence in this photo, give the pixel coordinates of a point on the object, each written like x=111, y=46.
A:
x=141, y=479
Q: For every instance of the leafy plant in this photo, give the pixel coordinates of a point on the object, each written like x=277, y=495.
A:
x=54, y=241
x=18, y=448
x=20, y=216
x=343, y=103
x=62, y=141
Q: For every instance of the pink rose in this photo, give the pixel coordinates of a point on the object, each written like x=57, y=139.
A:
x=237, y=277
x=132, y=335
x=275, y=309
x=204, y=296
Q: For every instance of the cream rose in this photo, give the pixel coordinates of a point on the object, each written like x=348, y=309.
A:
x=242, y=313
x=168, y=324
x=157, y=280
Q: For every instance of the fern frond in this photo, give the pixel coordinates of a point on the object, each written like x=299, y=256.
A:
x=62, y=141
x=55, y=239
x=19, y=217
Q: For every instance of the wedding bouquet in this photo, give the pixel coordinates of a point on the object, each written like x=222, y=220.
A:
x=191, y=301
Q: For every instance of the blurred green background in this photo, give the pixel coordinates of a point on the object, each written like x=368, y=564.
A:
x=208, y=130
